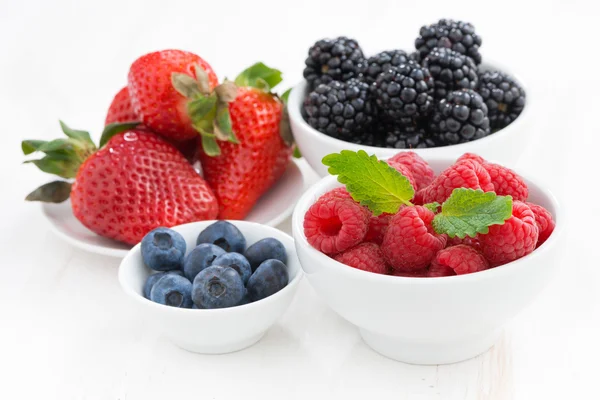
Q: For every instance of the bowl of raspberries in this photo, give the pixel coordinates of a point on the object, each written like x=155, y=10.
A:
x=212, y=287
x=429, y=259
x=442, y=98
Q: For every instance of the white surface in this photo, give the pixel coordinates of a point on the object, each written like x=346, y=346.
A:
x=499, y=146
x=68, y=331
x=272, y=208
x=430, y=320
x=212, y=331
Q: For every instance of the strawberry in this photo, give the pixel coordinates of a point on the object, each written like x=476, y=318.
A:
x=164, y=86
x=256, y=154
x=131, y=185
x=120, y=109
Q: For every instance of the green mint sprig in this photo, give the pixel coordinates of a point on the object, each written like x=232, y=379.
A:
x=382, y=189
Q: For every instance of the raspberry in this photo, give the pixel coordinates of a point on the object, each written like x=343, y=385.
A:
x=515, y=239
x=506, y=182
x=544, y=222
x=410, y=243
x=377, y=227
x=472, y=156
x=365, y=256
x=404, y=170
x=468, y=241
x=337, y=193
x=457, y=260
x=463, y=174
x=416, y=274
x=419, y=168
x=334, y=225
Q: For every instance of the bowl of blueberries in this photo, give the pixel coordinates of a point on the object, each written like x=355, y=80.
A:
x=440, y=100
x=212, y=287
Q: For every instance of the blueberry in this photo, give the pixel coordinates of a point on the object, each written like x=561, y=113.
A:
x=200, y=258
x=172, y=290
x=225, y=235
x=217, y=287
x=163, y=249
x=265, y=249
x=237, y=262
x=269, y=278
x=152, y=279
x=245, y=300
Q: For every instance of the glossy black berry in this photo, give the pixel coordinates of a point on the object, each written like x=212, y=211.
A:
x=456, y=35
x=406, y=136
x=450, y=71
x=461, y=117
x=503, y=96
x=403, y=91
x=330, y=60
x=382, y=62
x=339, y=109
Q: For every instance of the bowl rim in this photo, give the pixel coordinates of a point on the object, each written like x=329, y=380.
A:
x=296, y=99
x=201, y=311
x=330, y=181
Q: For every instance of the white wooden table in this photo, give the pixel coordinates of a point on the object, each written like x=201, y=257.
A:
x=67, y=331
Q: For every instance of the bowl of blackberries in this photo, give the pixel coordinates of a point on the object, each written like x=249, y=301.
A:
x=440, y=99
x=212, y=286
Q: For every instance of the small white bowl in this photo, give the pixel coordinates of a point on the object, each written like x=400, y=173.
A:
x=216, y=331
x=504, y=146
x=428, y=320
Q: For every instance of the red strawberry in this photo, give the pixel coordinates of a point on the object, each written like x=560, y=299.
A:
x=120, y=109
x=135, y=183
x=161, y=86
x=257, y=155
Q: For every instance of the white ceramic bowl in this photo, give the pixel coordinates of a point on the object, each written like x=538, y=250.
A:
x=504, y=146
x=428, y=320
x=213, y=331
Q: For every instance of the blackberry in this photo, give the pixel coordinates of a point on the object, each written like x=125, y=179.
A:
x=339, y=109
x=334, y=60
x=450, y=71
x=503, y=96
x=383, y=61
x=456, y=35
x=397, y=137
x=403, y=91
x=461, y=117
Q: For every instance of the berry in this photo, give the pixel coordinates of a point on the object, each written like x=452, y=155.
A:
x=463, y=174
x=153, y=96
x=456, y=35
x=237, y=262
x=200, y=258
x=506, y=182
x=450, y=71
x=410, y=243
x=265, y=249
x=339, y=109
x=163, y=249
x=472, y=156
x=544, y=222
x=341, y=193
x=377, y=227
x=330, y=60
x=153, y=278
x=225, y=235
x=217, y=287
x=461, y=117
x=467, y=241
x=333, y=225
x=401, y=136
x=514, y=239
x=172, y=290
x=421, y=171
x=404, y=170
x=366, y=256
x=457, y=260
x=404, y=91
x=120, y=109
x=382, y=62
x=504, y=98
x=415, y=274
x=269, y=278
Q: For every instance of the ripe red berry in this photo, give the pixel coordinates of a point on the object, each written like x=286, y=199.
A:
x=544, y=222
x=377, y=227
x=421, y=171
x=473, y=157
x=457, y=260
x=506, y=182
x=469, y=241
x=365, y=256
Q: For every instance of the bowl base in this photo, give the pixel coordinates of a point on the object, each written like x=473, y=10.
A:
x=218, y=348
x=429, y=353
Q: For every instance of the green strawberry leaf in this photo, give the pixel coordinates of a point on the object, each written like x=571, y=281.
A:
x=31, y=146
x=111, y=130
x=259, y=76
x=222, y=124
x=286, y=95
x=433, y=207
x=297, y=153
x=202, y=108
x=469, y=212
x=210, y=145
x=53, y=192
x=82, y=136
x=186, y=85
x=370, y=181
x=65, y=168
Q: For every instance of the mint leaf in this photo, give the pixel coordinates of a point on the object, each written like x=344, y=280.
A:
x=469, y=212
x=259, y=76
x=433, y=207
x=370, y=181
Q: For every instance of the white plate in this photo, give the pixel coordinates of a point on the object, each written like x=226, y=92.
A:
x=271, y=209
